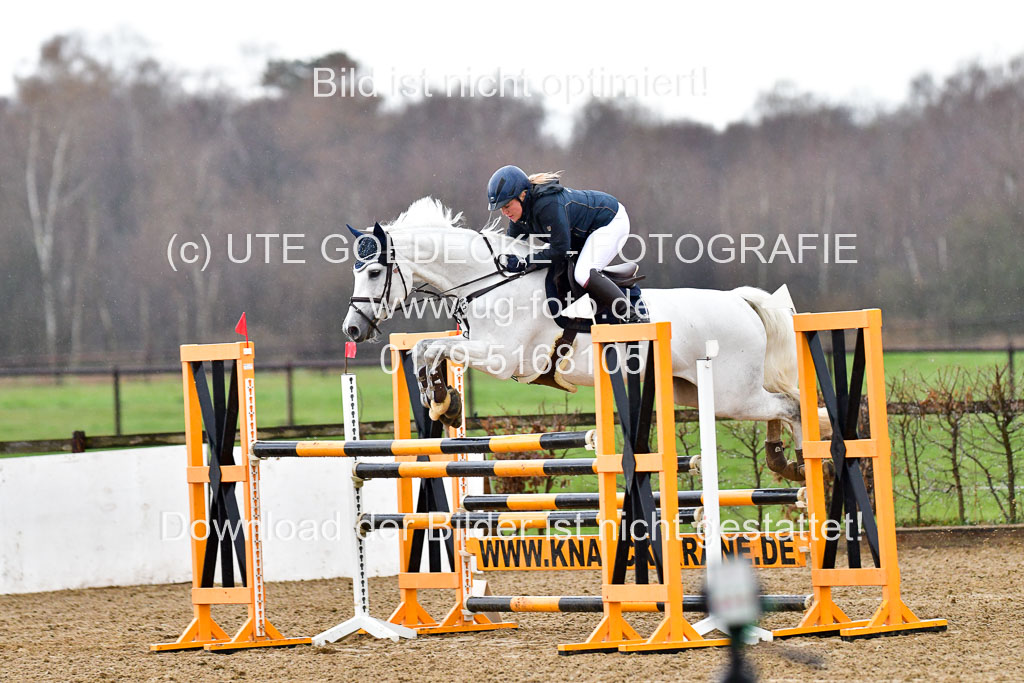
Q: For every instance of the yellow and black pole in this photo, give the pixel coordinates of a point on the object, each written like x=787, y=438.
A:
x=492, y=468
x=506, y=443
x=492, y=520
x=593, y=603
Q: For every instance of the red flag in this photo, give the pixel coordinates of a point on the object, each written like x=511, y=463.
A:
x=241, y=327
x=350, y=349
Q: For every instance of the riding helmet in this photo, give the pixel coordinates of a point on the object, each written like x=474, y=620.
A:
x=506, y=184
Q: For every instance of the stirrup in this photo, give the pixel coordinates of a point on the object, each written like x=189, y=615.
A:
x=638, y=312
x=636, y=316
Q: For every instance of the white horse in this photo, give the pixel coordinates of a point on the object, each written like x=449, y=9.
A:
x=509, y=334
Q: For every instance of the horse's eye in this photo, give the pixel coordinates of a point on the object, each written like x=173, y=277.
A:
x=374, y=274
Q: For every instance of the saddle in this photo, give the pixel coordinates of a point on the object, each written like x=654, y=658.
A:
x=625, y=275
x=563, y=292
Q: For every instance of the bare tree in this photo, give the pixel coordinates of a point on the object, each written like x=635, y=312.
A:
x=43, y=219
x=1001, y=436
x=906, y=429
x=749, y=440
x=949, y=399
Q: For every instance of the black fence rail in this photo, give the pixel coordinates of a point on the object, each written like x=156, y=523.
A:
x=116, y=373
x=80, y=442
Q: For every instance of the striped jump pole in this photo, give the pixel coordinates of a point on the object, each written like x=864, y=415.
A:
x=492, y=468
x=506, y=443
x=593, y=603
x=491, y=520
x=577, y=501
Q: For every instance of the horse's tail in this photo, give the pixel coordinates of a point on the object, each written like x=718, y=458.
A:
x=776, y=313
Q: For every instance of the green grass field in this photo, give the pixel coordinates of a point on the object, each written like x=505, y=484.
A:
x=39, y=409
x=43, y=409
x=46, y=410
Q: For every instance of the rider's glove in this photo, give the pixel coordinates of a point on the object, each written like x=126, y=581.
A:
x=512, y=263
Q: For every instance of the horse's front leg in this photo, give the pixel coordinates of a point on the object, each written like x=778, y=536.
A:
x=420, y=371
x=440, y=398
x=443, y=401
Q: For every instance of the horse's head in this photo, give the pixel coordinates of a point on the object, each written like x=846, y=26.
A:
x=382, y=282
x=432, y=247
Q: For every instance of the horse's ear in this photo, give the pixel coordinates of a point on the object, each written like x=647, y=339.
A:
x=355, y=232
x=382, y=240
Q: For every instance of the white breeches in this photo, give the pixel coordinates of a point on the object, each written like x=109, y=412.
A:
x=602, y=246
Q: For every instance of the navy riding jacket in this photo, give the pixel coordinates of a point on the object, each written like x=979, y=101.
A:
x=565, y=216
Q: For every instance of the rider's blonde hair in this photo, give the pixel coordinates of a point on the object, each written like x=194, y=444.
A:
x=545, y=177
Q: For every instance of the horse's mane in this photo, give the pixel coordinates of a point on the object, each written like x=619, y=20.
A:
x=428, y=213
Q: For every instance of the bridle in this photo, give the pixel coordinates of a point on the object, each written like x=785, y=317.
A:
x=380, y=307
x=461, y=307
x=387, y=258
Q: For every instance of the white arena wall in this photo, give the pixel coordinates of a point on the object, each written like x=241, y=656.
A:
x=118, y=518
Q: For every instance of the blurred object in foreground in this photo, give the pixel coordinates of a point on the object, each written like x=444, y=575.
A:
x=734, y=602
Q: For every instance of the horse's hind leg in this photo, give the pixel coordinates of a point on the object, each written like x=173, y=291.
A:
x=772, y=408
x=684, y=392
x=775, y=409
x=775, y=455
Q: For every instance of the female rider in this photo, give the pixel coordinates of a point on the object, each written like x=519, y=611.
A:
x=590, y=223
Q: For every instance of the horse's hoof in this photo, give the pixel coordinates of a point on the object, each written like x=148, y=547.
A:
x=438, y=409
x=775, y=458
x=452, y=420
x=452, y=417
x=828, y=471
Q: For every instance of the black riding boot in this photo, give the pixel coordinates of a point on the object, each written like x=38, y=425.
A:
x=607, y=295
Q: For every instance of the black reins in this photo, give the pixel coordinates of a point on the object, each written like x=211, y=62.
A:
x=382, y=310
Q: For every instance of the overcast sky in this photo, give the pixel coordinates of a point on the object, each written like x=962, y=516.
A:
x=712, y=59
